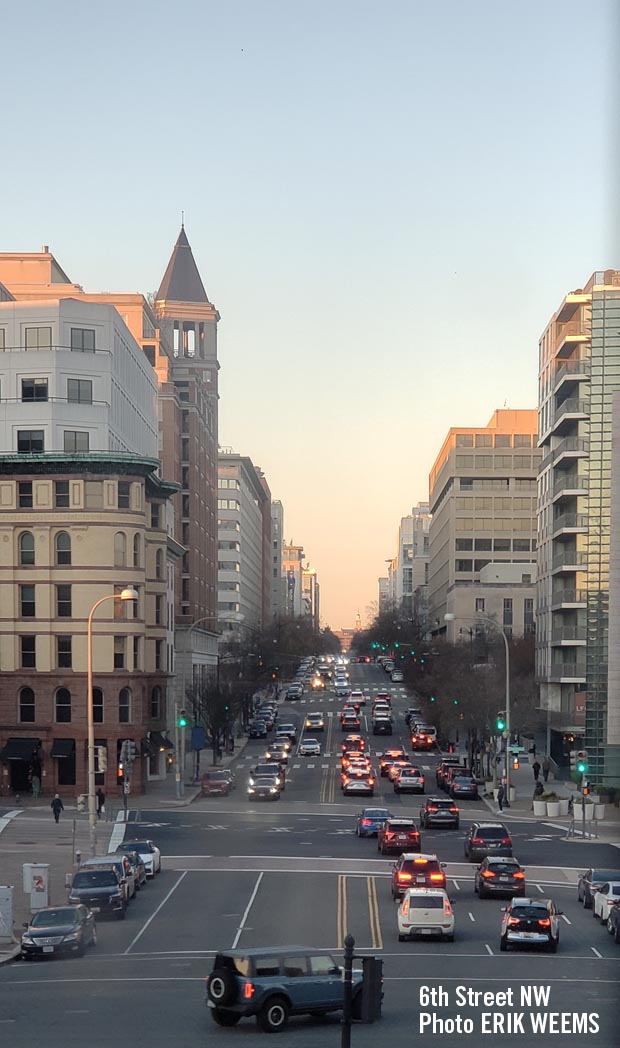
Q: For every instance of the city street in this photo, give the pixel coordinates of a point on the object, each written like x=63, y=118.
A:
x=240, y=874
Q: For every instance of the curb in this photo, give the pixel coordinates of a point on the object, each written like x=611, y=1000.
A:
x=6, y=958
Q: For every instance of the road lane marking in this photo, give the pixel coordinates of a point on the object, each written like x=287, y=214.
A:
x=457, y=885
x=540, y=889
x=565, y=918
x=472, y=918
x=155, y=912
x=246, y=911
x=596, y=953
x=341, y=910
x=489, y=950
x=373, y=910
x=8, y=818
x=118, y=832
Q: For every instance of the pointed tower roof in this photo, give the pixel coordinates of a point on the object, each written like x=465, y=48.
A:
x=182, y=282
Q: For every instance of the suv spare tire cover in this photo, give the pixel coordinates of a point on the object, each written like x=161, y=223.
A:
x=223, y=986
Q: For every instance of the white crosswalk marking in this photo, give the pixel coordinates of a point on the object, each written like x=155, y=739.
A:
x=309, y=765
x=299, y=766
x=325, y=765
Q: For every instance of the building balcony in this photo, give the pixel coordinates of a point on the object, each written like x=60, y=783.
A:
x=570, y=524
x=568, y=561
x=569, y=635
x=568, y=597
x=569, y=483
x=568, y=413
x=570, y=335
x=571, y=371
x=570, y=449
x=568, y=672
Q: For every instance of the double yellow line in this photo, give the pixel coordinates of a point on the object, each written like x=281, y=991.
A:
x=327, y=792
x=373, y=912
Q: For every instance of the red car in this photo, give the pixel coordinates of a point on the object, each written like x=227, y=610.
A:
x=398, y=835
x=215, y=782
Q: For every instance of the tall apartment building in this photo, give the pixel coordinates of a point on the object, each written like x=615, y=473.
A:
x=579, y=374
x=311, y=596
x=278, y=593
x=384, y=593
x=82, y=515
x=292, y=562
x=410, y=573
x=482, y=536
x=244, y=543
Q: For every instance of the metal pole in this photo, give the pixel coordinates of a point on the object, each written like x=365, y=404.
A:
x=347, y=1010
x=507, y=647
x=92, y=805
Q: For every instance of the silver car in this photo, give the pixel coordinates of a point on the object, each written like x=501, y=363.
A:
x=310, y=748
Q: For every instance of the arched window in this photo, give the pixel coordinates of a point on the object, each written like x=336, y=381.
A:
x=120, y=550
x=63, y=706
x=124, y=706
x=97, y=706
x=159, y=564
x=156, y=703
x=136, y=550
x=26, y=548
x=26, y=706
x=63, y=548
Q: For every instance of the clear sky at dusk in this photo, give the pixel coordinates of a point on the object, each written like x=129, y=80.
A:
x=386, y=203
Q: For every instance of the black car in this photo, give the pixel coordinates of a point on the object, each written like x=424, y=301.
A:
x=487, y=838
x=99, y=890
x=58, y=931
x=498, y=875
x=464, y=786
x=590, y=882
x=613, y=921
x=438, y=811
x=257, y=729
x=530, y=922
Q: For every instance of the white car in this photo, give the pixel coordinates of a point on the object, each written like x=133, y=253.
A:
x=358, y=697
x=341, y=688
x=604, y=898
x=149, y=853
x=397, y=676
x=309, y=748
x=425, y=912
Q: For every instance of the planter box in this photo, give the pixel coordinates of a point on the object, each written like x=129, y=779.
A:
x=553, y=809
x=599, y=811
x=540, y=809
x=563, y=802
x=513, y=794
x=578, y=812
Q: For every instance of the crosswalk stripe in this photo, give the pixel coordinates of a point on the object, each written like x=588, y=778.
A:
x=299, y=766
x=307, y=765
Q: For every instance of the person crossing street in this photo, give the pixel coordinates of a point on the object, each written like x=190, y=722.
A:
x=57, y=806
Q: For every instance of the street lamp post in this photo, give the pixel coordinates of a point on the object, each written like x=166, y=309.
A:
x=450, y=617
x=129, y=593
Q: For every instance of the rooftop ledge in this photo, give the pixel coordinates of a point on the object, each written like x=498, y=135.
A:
x=100, y=462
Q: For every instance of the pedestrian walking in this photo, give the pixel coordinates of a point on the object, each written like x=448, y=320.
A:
x=546, y=768
x=536, y=770
x=501, y=793
x=100, y=802
x=57, y=806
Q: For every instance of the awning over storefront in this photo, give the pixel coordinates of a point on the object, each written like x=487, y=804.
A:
x=63, y=748
x=19, y=749
x=159, y=741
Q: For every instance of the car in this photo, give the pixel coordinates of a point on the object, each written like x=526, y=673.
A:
x=148, y=852
x=444, y=764
x=268, y=716
x=315, y=721
x=278, y=753
x=607, y=895
x=383, y=696
x=381, y=709
x=318, y=684
x=487, y=838
x=421, y=740
x=257, y=729
x=398, y=835
x=121, y=864
x=424, y=912
x=613, y=922
x=395, y=753
x=358, y=780
x=397, y=676
x=100, y=890
x=463, y=786
x=590, y=882
x=138, y=867
x=357, y=696
x=396, y=766
x=411, y=713
x=349, y=710
x=283, y=739
x=530, y=922
x=382, y=726
x=341, y=689
x=266, y=789
x=437, y=811
x=499, y=875
x=407, y=780
x=353, y=758
x=452, y=772
x=370, y=820
x=354, y=742
x=58, y=931
x=268, y=770
x=213, y=783
x=417, y=871
x=272, y=983
x=309, y=748
x=350, y=722
x=294, y=691
x=290, y=730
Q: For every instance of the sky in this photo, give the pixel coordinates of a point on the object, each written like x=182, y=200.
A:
x=386, y=202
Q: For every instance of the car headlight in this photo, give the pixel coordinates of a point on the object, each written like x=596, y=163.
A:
x=72, y=937
x=27, y=939
x=251, y=789
x=273, y=790
x=74, y=898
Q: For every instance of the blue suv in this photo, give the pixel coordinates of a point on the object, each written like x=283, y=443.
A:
x=276, y=982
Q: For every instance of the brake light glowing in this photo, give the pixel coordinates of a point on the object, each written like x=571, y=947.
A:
x=421, y=778
x=506, y=840
x=447, y=909
x=431, y=809
x=366, y=822
x=405, y=907
x=513, y=920
x=477, y=840
x=545, y=921
x=438, y=877
x=248, y=990
x=371, y=782
x=488, y=873
x=454, y=809
x=420, y=862
x=519, y=875
x=405, y=876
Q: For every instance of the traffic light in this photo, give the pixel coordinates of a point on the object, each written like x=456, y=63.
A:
x=515, y=762
x=182, y=719
x=582, y=763
x=102, y=758
x=500, y=723
x=585, y=789
x=433, y=698
x=455, y=702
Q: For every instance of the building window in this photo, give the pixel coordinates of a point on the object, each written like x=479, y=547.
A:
x=464, y=440
x=63, y=706
x=97, y=706
x=466, y=483
x=185, y=591
x=28, y=652
x=76, y=441
x=464, y=461
x=63, y=601
x=463, y=544
x=79, y=391
x=30, y=441
x=528, y=615
x=34, y=389
x=155, y=703
x=82, y=340
x=27, y=609
x=63, y=548
x=480, y=564
x=154, y=514
x=482, y=544
x=119, y=653
x=501, y=545
x=507, y=618
x=64, y=658
x=136, y=550
x=484, y=440
x=26, y=549
x=159, y=603
x=120, y=550
x=26, y=706
x=124, y=493
x=522, y=440
x=61, y=494
x=136, y=653
x=502, y=440
x=480, y=605
x=38, y=338
x=124, y=706
x=159, y=564
x=93, y=494
x=120, y=606
x=158, y=654
x=24, y=494
x=462, y=565
x=521, y=545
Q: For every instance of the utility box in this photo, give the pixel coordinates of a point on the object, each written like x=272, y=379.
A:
x=6, y=913
x=37, y=884
x=372, y=989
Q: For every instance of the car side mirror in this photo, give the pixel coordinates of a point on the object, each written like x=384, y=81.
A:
x=25, y=924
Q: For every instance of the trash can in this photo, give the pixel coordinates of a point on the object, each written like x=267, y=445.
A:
x=37, y=884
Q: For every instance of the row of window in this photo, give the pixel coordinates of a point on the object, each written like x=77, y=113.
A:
x=465, y=564
x=496, y=483
x=505, y=503
x=63, y=705
x=63, y=553
x=32, y=441
x=507, y=611
x=494, y=461
x=228, y=504
x=64, y=653
x=497, y=440
x=93, y=497
x=82, y=339
x=495, y=524
x=228, y=482
x=499, y=545
x=36, y=390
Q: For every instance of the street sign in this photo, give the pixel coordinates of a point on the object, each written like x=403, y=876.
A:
x=199, y=738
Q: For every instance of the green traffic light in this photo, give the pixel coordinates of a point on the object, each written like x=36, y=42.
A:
x=182, y=721
x=432, y=698
x=501, y=723
x=396, y=644
x=582, y=767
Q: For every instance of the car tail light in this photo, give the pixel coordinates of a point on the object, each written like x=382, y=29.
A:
x=405, y=876
x=545, y=921
x=447, y=909
x=366, y=822
x=506, y=840
x=421, y=778
x=513, y=920
x=519, y=875
x=420, y=862
x=431, y=809
x=438, y=877
x=404, y=909
x=454, y=809
x=488, y=873
x=371, y=782
x=477, y=840
x=248, y=990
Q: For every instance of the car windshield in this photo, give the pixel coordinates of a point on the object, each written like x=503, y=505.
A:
x=266, y=771
x=219, y=775
x=264, y=782
x=51, y=918
x=426, y=902
x=440, y=804
x=310, y=742
x=401, y=827
x=503, y=867
x=463, y=780
x=94, y=879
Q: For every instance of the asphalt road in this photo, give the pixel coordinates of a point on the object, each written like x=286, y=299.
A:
x=293, y=872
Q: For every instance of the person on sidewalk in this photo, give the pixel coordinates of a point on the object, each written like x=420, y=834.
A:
x=100, y=802
x=546, y=768
x=501, y=793
x=57, y=806
x=536, y=770
x=36, y=786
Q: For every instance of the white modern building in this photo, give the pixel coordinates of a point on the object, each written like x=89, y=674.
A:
x=292, y=561
x=244, y=543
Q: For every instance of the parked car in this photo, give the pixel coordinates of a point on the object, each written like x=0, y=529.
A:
x=99, y=890
x=121, y=864
x=437, y=811
x=499, y=875
x=530, y=922
x=214, y=783
x=613, y=922
x=590, y=882
x=257, y=729
x=397, y=676
x=148, y=852
x=417, y=871
x=464, y=786
x=58, y=931
x=487, y=838
x=138, y=866
x=425, y=913
x=607, y=895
